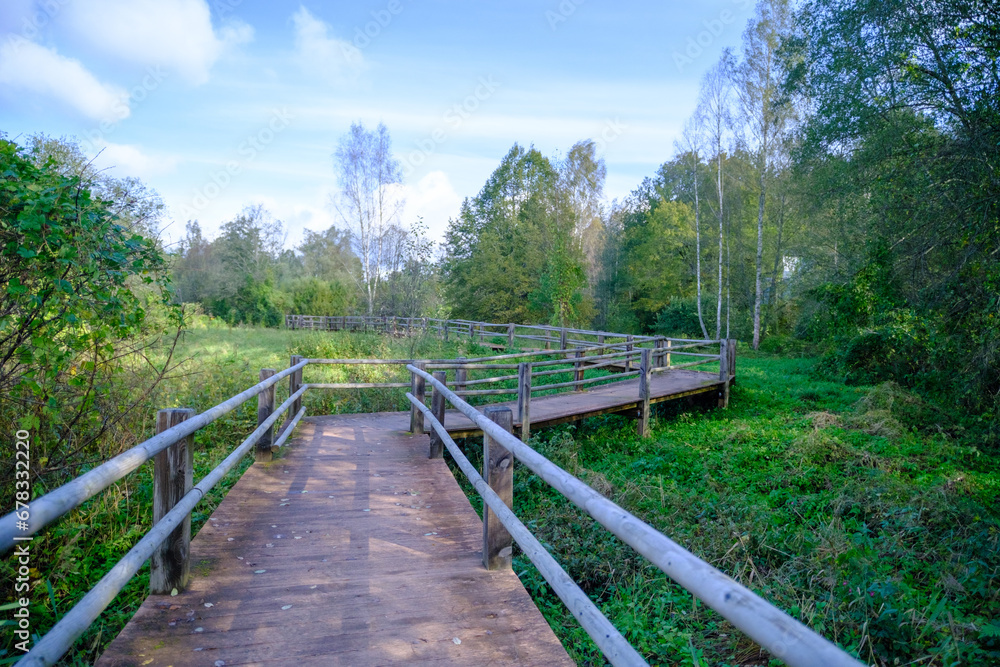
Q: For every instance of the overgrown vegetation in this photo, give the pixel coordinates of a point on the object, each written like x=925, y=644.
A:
x=847, y=506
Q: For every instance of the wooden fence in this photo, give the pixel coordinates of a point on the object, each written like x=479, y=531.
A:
x=506, y=335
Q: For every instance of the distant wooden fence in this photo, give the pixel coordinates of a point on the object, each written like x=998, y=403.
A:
x=167, y=542
x=487, y=333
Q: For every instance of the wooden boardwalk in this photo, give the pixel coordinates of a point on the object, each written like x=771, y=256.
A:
x=601, y=400
x=353, y=549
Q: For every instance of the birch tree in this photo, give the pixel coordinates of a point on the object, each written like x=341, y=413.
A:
x=714, y=109
x=368, y=201
x=692, y=141
x=582, y=176
x=763, y=112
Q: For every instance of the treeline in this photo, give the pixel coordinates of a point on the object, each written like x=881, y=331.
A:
x=371, y=261
x=246, y=275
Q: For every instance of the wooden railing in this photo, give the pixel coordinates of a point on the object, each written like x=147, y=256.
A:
x=776, y=631
x=506, y=335
x=166, y=544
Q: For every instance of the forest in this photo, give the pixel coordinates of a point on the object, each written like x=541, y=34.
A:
x=833, y=203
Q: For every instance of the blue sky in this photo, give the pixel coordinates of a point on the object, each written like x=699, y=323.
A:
x=221, y=103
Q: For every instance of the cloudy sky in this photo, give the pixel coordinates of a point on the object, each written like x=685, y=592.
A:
x=221, y=103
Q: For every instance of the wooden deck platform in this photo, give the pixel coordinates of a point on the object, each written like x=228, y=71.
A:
x=353, y=549
x=616, y=397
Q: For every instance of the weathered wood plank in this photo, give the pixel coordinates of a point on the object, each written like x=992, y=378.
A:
x=394, y=584
x=617, y=397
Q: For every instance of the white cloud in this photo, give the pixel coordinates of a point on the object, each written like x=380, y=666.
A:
x=27, y=66
x=434, y=199
x=333, y=59
x=173, y=34
x=129, y=160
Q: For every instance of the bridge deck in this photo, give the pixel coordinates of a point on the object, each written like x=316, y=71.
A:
x=605, y=399
x=353, y=549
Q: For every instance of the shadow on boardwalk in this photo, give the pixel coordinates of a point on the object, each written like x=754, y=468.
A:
x=353, y=549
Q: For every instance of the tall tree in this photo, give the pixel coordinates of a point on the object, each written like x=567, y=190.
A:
x=369, y=201
x=714, y=108
x=583, y=174
x=691, y=143
x=510, y=256
x=758, y=81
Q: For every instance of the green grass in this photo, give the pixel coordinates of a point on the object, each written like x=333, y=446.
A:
x=845, y=506
x=850, y=507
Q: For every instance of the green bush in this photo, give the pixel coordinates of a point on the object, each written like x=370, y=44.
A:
x=680, y=317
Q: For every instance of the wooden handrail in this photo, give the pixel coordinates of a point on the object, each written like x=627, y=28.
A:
x=71, y=495
x=611, y=642
x=783, y=636
x=75, y=622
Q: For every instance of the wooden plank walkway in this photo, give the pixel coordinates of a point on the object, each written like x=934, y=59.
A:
x=615, y=397
x=353, y=549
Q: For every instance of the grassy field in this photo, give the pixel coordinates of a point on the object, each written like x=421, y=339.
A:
x=850, y=507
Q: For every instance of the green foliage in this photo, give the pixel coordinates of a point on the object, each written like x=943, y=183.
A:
x=901, y=176
x=510, y=256
x=71, y=276
x=317, y=297
x=679, y=318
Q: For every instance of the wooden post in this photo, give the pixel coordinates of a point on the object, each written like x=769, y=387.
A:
x=265, y=406
x=669, y=345
x=437, y=407
x=524, y=399
x=498, y=471
x=548, y=338
x=562, y=339
x=658, y=357
x=629, y=347
x=461, y=375
x=173, y=477
x=294, y=382
x=417, y=389
x=510, y=336
x=645, y=365
x=446, y=323
x=472, y=334
x=600, y=339
x=424, y=322
x=578, y=368
x=724, y=373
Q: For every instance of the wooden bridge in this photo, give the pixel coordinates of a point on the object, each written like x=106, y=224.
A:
x=358, y=547
x=354, y=548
